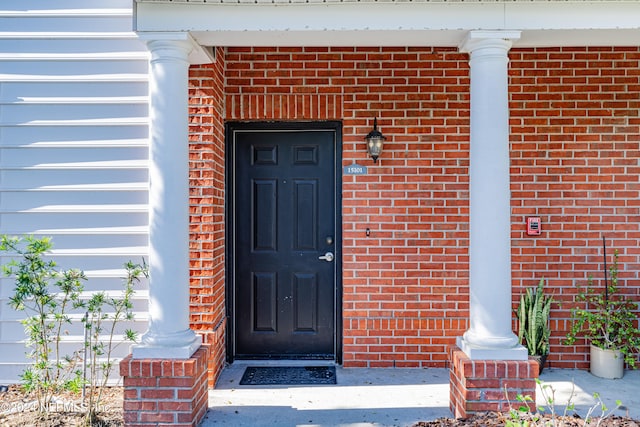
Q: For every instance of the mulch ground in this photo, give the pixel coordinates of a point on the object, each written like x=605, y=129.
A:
x=491, y=419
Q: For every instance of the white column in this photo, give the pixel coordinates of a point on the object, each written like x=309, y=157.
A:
x=169, y=335
x=490, y=334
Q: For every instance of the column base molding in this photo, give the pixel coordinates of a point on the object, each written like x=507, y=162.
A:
x=484, y=385
x=151, y=348
x=476, y=352
x=165, y=391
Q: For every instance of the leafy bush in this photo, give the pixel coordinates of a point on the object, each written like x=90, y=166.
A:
x=103, y=315
x=47, y=295
x=606, y=318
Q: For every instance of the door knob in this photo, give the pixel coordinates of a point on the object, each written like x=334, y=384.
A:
x=327, y=257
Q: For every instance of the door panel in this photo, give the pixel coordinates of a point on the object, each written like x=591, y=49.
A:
x=285, y=219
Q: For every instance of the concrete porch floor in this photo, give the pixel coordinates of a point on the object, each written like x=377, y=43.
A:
x=387, y=397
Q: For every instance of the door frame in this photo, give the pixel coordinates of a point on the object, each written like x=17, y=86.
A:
x=230, y=156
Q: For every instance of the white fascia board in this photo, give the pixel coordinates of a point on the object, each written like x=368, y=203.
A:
x=573, y=16
x=315, y=17
x=394, y=24
x=586, y=37
x=330, y=38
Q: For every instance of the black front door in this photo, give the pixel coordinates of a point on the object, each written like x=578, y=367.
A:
x=284, y=241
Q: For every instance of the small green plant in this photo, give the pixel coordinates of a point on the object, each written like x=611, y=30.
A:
x=549, y=398
x=604, y=411
x=104, y=313
x=547, y=414
x=47, y=295
x=533, y=320
x=606, y=318
x=522, y=416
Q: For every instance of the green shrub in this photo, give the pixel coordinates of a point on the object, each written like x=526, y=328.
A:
x=47, y=295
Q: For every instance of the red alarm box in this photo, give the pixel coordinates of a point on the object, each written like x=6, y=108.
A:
x=533, y=226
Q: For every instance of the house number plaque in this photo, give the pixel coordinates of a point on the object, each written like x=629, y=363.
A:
x=355, y=169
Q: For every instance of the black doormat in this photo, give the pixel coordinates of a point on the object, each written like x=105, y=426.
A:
x=289, y=375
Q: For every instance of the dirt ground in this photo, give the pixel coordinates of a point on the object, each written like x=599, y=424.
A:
x=20, y=409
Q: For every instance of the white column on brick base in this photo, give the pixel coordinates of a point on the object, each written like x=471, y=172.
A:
x=169, y=335
x=490, y=334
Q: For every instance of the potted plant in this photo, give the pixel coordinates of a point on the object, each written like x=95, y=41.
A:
x=607, y=320
x=533, y=322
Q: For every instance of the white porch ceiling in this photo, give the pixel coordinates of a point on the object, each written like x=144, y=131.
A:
x=391, y=22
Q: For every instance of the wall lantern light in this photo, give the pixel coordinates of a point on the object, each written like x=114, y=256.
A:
x=374, y=139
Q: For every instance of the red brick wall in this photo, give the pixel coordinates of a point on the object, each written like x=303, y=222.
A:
x=488, y=385
x=574, y=144
x=405, y=295
x=575, y=133
x=165, y=391
x=206, y=206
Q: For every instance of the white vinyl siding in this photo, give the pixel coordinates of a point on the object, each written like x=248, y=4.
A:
x=73, y=147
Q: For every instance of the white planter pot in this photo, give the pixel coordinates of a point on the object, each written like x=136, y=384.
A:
x=607, y=363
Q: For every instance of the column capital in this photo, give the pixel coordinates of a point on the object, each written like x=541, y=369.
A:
x=169, y=49
x=174, y=44
x=480, y=39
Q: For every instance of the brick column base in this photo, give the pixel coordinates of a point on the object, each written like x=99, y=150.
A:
x=165, y=391
x=480, y=385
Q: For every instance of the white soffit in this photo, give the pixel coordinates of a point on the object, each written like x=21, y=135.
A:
x=391, y=23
